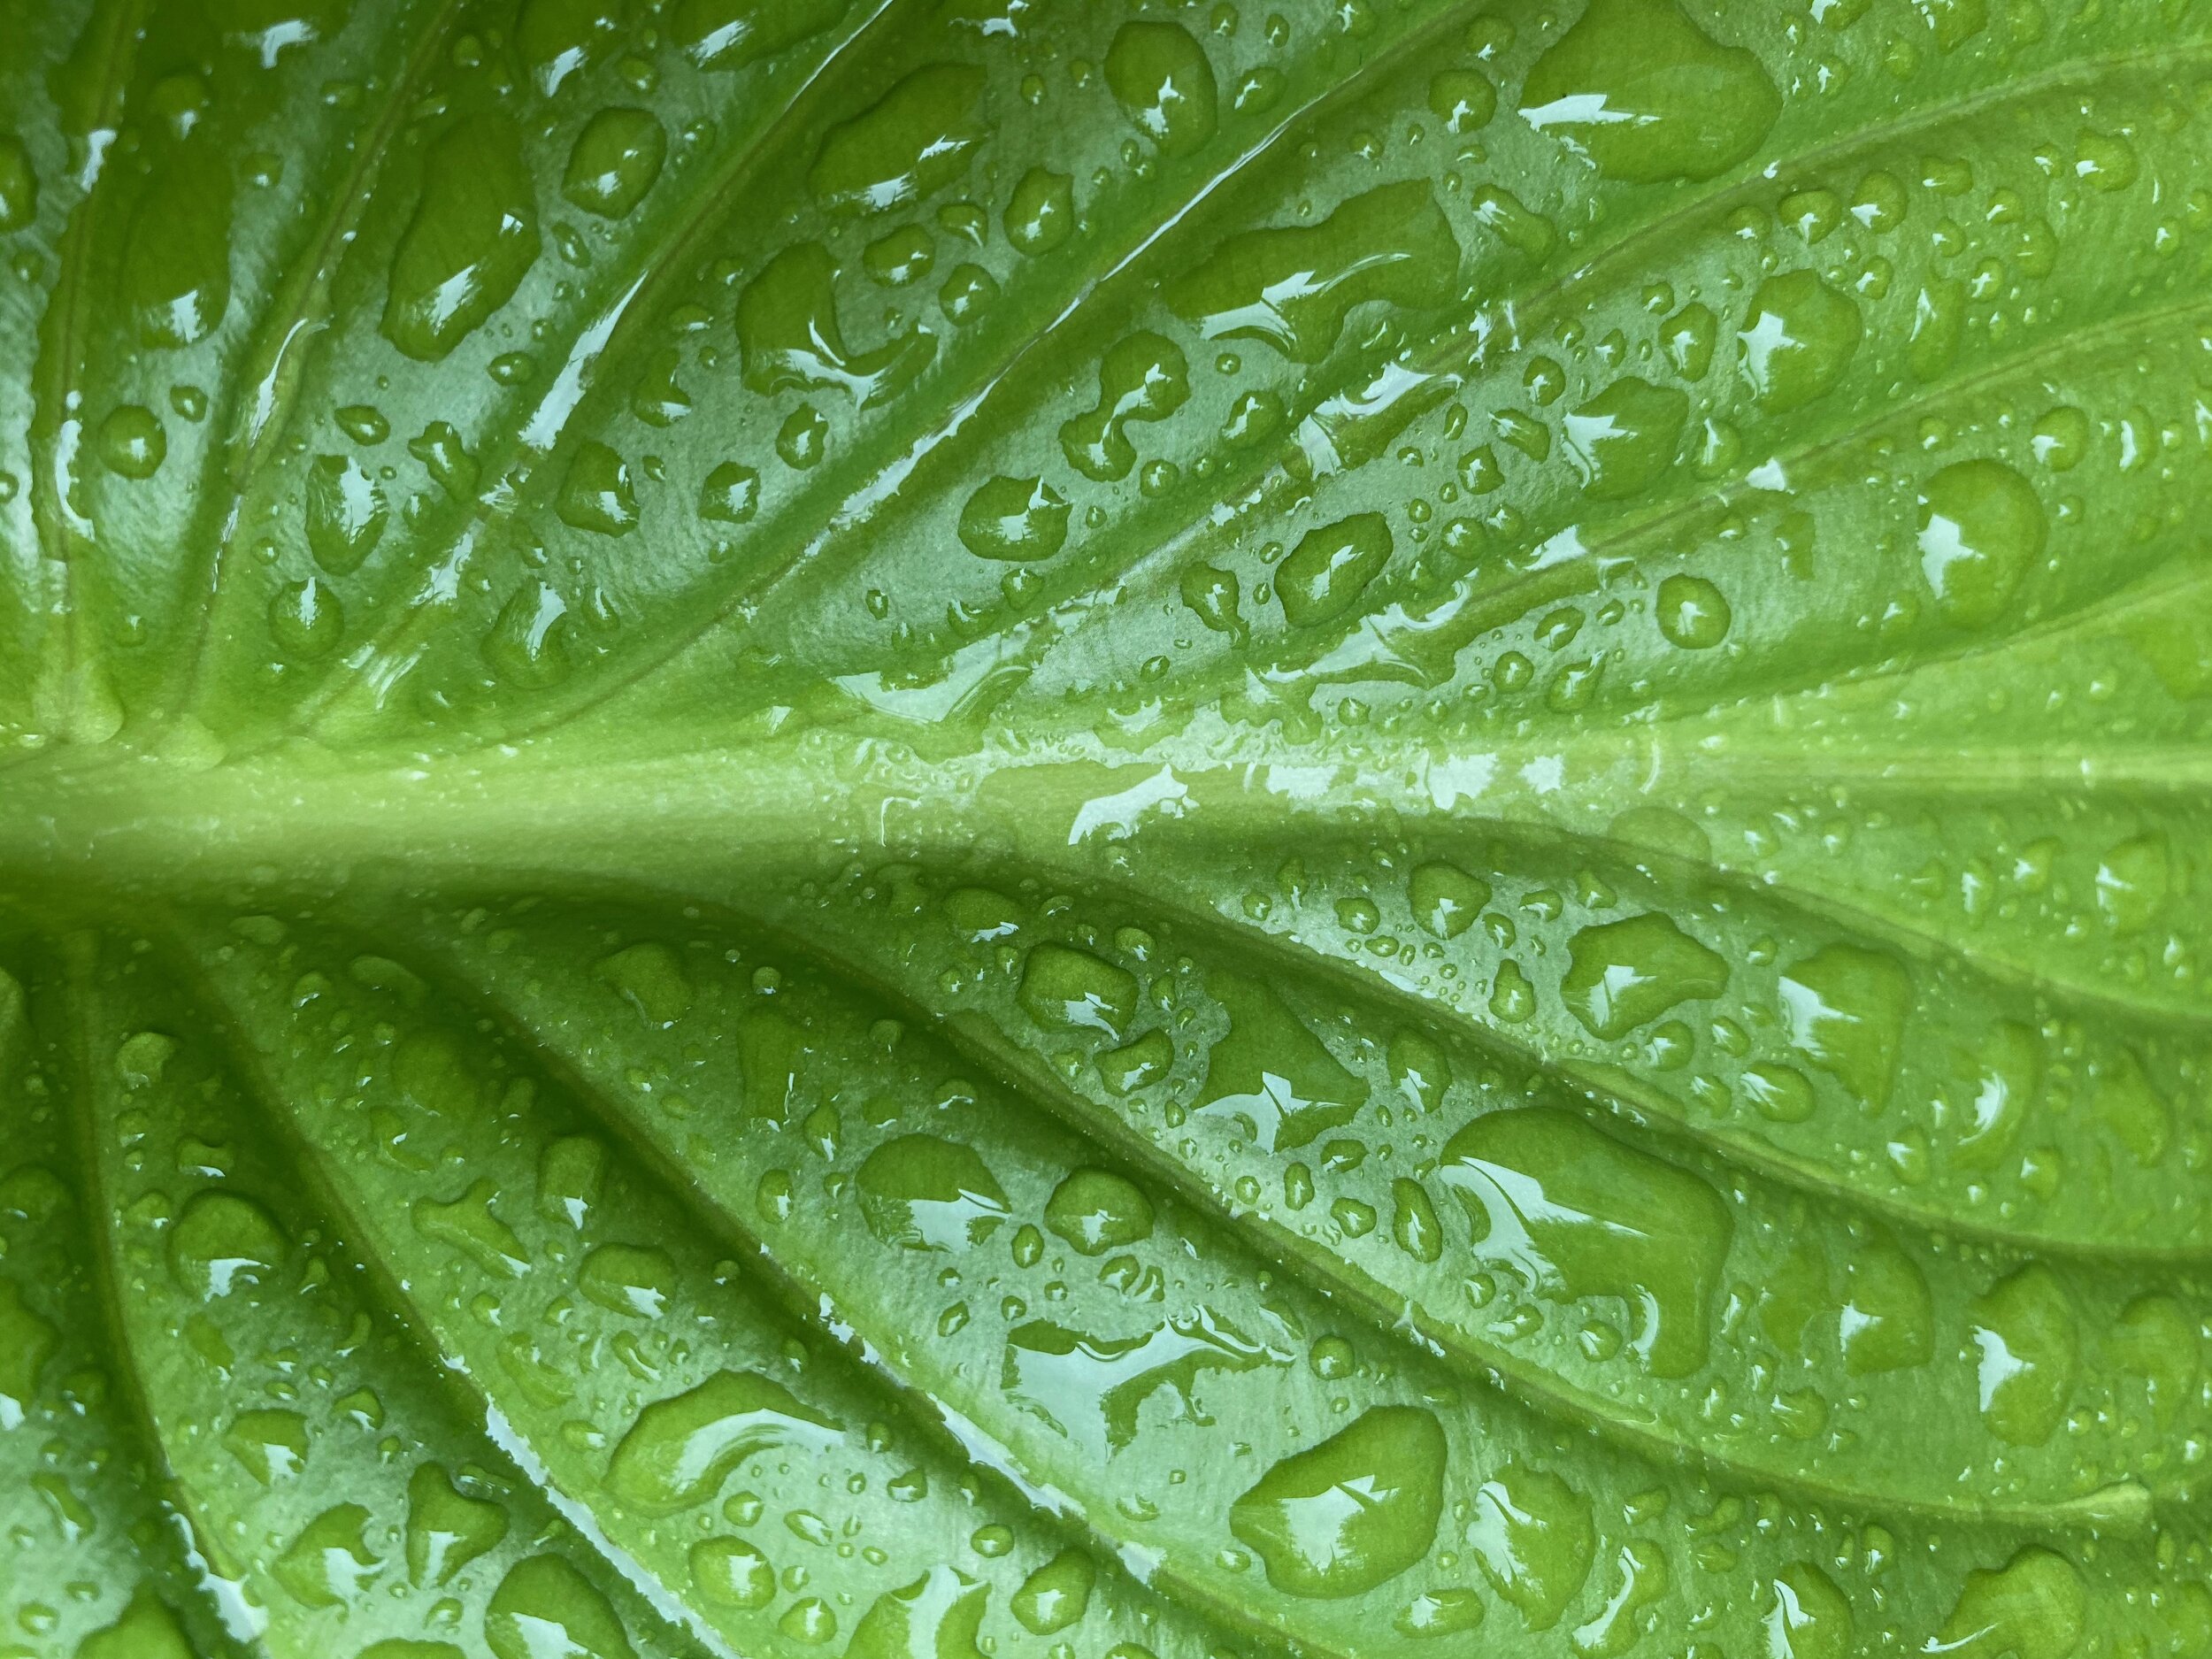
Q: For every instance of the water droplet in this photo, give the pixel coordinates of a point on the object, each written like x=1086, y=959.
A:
x=19, y=185
x=447, y=1530
x=650, y=978
x=147, y=1630
x=305, y=619
x=1981, y=528
x=270, y=1444
x=1419, y=1067
x=1639, y=1579
x=597, y=494
x=2034, y=1607
x=133, y=444
x=1624, y=439
x=2134, y=882
x=1330, y=568
x=1648, y=96
x=558, y=37
x=1623, y=974
x=935, y=1617
x=1353, y=1512
x=723, y=34
x=1160, y=77
x=2007, y=1070
x=1073, y=990
x=329, y=1563
x=1888, y=1317
x=917, y=139
x=1014, y=519
x=1294, y=287
x=730, y=1572
x=1693, y=613
x=1145, y=377
x=790, y=339
x=1056, y=1595
x=639, y=1280
x=224, y=1243
x=2026, y=1333
x=1938, y=325
x=176, y=258
x=1531, y=1534
x=730, y=495
x=544, y=1607
x=467, y=1224
x=680, y=1450
x=1439, y=1613
x=2061, y=438
x=1041, y=212
x=570, y=1173
x=1463, y=99
x=1091, y=1388
x=345, y=513
x=1096, y=1210
x=1577, y=1213
x=1798, y=340
x=527, y=643
x=1846, y=1011
x=1806, y=1615
x=1414, y=1225
x=617, y=156
x=1272, y=1072
x=1779, y=1093
x=28, y=1340
x=922, y=1192
x=473, y=237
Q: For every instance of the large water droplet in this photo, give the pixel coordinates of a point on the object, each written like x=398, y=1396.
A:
x=1353, y=1512
x=1624, y=439
x=1648, y=96
x=1145, y=377
x=224, y=1243
x=545, y=1607
x=922, y=1192
x=2034, y=1607
x=1292, y=287
x=446, y=1530
x=329, y=1563
x=1624, y=974
x=1096, y=1210
x=473, y=239
x=1797, y=341
x=617, y=158
x=680, y=1450
x=1160, y=77
x=1272, y=1072
x=1091, y=1388
x=345, y=513
x=1014, y=519
x=1846, y=1011
x=1531, y=1532
x=1056, y=1595
x=917, y=139
x=1577, y=1213
x=1981, y=528
x=789, y=338
x=1073, y=990
x=1330, y=568
x=2027, y=1335
x=1888, y=1317
x=726, y=34
x=935, y=1617
x=1806, y=1615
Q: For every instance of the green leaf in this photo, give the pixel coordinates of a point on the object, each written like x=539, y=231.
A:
x=964, y=828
